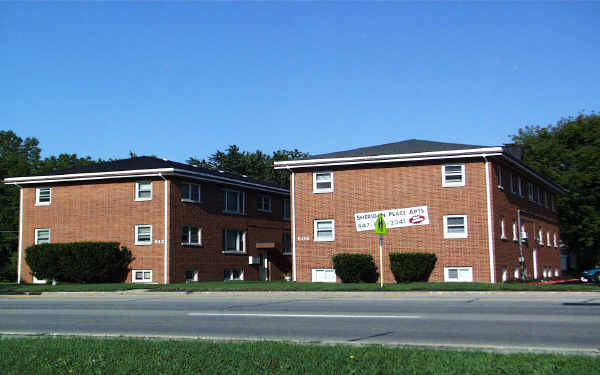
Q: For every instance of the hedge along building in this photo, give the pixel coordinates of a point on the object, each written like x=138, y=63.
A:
x=179, y=221
x=462, y=202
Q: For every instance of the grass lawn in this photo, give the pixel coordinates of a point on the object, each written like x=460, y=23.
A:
x=291, y=286
x=138, y=356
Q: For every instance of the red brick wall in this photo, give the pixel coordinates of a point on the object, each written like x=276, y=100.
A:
x=364, y=189
x=505, y=206
x=209, y=259
x=102, y=211
x=107, y=211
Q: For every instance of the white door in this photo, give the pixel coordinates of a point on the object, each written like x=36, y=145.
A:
x=263, y=267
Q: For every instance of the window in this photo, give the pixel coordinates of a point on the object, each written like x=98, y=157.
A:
x=190, y=192
x=524, y=236
x=142, y=276
x=322, y=182
x=548, y=243
x=458, y=274
x=541, y=237
x=231, y=274
x=286, y=244
x=264, y=203
x=191, y=236
x=43, y=196
x=504, y=274
x=512, y=184
x=323, y=275
x=325, y=230
x=234, y=241
x=502, y=229
x=42, y=235
x=286, y=209
x=553, y=202
x=191, y=275
x=517, y=273
x=520, y=186
x=235, y=202
x=143, y=190
x=143, y=234
x=515, y=235
x=500, y=182
x=556, y=273
x=530, y=191
x=453, y=175
x=545, y=198
x=538, y=194
x=455, y=226
x=555, y=240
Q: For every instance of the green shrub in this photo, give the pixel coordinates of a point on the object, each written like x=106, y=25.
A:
x=354, y=268
x=412, y=267
x=79, y=262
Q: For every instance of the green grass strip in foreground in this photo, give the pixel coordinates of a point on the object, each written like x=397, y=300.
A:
x=214, y=286
x=137, y=356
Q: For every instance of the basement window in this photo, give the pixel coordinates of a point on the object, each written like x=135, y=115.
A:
x=233, y=274
x=142, y=276
x=458, y=274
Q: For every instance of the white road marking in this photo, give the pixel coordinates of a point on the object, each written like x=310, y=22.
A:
x=267, y=315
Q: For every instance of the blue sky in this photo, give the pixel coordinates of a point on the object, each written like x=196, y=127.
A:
x=188, y=78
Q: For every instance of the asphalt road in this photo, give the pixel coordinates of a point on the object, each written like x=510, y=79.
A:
x=565, y=322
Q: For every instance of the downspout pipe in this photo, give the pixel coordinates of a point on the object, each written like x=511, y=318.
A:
x=166, y=234
x=293, y=218
x=489, y=221
x=20, y=255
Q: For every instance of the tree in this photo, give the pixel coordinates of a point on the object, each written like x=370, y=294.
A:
x=20, y=157
x=569, y=153
x=257, y=165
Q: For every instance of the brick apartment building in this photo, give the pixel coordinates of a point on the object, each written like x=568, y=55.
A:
x=182, y=223
x=462, y=202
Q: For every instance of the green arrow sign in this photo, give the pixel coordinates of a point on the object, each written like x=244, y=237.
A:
x=380, y=225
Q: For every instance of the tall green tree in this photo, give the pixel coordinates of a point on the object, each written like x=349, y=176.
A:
x=257, y=165
x=569, y=153
x=21, y=157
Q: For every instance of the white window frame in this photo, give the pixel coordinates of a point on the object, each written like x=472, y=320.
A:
x=240, y=242
x=332, y=238
x=453, y=183
x=541, y=235
x=322, y=190
x=456, y=235
x=36, y=240
x=136, y=234
x=517, y=273
x=286, y=250
x=194, y=277
x=469, y=278
x=504, y=274
x=286, y=213
x=515, y=234
x=190, y=229
x=260, y=204
x=189, y=197
x=144, y=279
x=555, y=240
x=241, y=202
x=512, y=184
x=539, y=195
x=530, y=191
x=330, y=272
x=138, y=190
x=241, y=277
x=548, y=243
x=38, y=194
x=500, y=181
x=502, y=229
x=520, y=186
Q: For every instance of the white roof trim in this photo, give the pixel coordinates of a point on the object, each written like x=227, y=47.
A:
x=386, y=158
x=138, y=173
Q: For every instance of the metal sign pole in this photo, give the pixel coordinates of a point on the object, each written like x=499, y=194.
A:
x=381, y=258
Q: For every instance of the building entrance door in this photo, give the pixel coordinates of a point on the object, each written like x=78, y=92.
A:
x=263, y=267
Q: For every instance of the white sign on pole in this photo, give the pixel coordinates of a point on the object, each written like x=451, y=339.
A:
x=397, y=218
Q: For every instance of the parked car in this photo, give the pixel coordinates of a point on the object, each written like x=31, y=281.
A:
x=592, y=275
